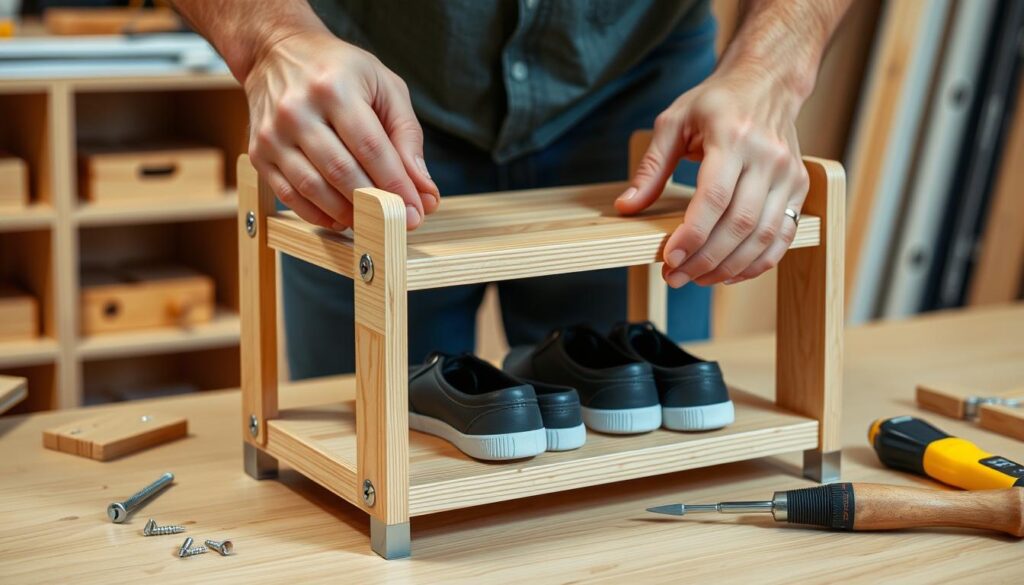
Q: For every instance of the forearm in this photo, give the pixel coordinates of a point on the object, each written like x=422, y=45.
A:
x=784, y=40
x=242, y=30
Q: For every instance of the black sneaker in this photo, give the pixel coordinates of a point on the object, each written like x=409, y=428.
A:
x=478, y=408
x=562, y=416
x=693, y=394
x=617, y=392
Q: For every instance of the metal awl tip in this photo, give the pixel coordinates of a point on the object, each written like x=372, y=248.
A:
x=670, y=509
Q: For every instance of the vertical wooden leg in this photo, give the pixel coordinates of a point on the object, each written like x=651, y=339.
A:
x=809, y=339
x=257, y=268
x=382, y=400
x=647, y=295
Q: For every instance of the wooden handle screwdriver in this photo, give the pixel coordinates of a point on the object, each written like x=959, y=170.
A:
x=871, y=506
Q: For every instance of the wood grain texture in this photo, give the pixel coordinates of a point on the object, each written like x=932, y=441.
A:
x=13, y=183
x=192, y=172
x=999, y=275
x=515, y=234
x=443, y=478
x=877, y=115
x=809, y=340
x=941, y=400
x=886, y=507
x=1005, y=420
x=12, y=391
x=291, y=529
x=382, y=398
x=110, y=436
x=144, y=297
x=257, y=267
x=19, y=314
x=110, y=21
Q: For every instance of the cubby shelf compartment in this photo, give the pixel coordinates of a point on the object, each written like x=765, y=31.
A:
x=222, y=331
x=144, y=211
x=360, y=446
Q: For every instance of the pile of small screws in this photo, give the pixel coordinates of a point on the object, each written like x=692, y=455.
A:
x=119, y=511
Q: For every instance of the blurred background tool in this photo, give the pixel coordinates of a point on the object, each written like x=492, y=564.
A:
x=911, y=444
x=870, y=506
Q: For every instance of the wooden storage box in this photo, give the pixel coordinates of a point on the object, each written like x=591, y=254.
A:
x=359, y=446
x=181, y=172
x=19, y=314
x=139, y=298
x=13, y=182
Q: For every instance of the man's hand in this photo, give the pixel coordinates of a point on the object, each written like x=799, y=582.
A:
x=326, y=117
x=740, y=125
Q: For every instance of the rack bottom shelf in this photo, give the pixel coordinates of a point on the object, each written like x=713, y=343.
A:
x=320, y=443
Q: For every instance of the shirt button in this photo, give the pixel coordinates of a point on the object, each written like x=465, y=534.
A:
x=519, y=71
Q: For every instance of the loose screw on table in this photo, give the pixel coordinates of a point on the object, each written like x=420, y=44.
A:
x=152, y=529
x=119, y=511
x=224, y=547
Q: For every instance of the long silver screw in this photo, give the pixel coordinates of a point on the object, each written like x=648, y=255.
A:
x=152, y=529
x=119, y=511
x=224, y=547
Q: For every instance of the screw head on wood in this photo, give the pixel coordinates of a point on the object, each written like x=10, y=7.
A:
x=369, y=494
x=254, y=425
x=250, y=224
x=185, y=546
x=366, y=268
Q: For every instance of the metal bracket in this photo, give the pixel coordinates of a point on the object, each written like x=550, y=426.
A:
x=391, y=541
x=258, y=464
x=822, y=467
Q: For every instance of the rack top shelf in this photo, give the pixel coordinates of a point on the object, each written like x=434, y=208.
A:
x=515, y=234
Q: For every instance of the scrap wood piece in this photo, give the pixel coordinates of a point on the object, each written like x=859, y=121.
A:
x=12, y=391
x=112, y=435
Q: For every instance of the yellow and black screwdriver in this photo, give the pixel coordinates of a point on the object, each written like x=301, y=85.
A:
x=911, y=444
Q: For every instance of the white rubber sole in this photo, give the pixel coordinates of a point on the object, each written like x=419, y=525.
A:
x=623, y=421
x=566, y=439
x=488, y=447
x=698, y=418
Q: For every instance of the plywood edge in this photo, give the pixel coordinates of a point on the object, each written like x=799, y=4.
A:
x=12, y=391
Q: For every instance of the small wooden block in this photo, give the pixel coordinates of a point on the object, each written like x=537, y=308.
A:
x=1005, y=420
x=175, y=173
x=943, y=400
x=139, y=298
x=956, y=401
x=110, y=436
x=19, y=314
x=13, y=183
x=12, y=391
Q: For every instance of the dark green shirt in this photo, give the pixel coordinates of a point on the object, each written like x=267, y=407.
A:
x=509, y=76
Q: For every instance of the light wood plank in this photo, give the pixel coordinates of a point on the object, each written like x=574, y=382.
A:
x=145, y=211
x=257, y=265
x=30, y=352
x=485, y=238
x=646, y=293
x=223, y=330
x=809, y=354
x=443, y=478
x=999, y=276
x=1004, y=420
x=382, y=399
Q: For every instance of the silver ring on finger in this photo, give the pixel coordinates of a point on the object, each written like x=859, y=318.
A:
x=794, y=215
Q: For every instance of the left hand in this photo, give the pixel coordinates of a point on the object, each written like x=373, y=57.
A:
x=740, y=125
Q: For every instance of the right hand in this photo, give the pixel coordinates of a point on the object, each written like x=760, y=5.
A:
x=327, y=118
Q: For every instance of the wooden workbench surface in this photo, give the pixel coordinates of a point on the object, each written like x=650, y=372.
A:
x=53, y=525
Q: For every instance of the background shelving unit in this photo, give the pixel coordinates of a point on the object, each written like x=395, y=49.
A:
x=44, y=246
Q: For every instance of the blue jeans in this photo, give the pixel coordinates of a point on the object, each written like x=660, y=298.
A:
x=318, y=304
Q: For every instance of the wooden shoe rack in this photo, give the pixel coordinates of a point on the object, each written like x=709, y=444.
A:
x=360, y=447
